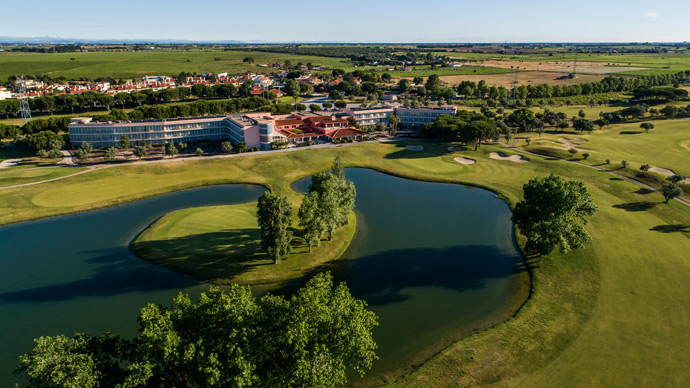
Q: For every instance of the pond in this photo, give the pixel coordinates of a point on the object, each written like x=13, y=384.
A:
x=75, y=273
x=434, y=261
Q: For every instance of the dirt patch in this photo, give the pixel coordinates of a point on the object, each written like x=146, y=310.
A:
x=462, y=160
x=414, y=148
x=524, y=78
x=583, y=67
x=512, y=158
x=457, y=149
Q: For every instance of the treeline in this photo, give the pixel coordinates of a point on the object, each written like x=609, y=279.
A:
x=88, y=100
x=198, y=108
x=467, y=126
x=61, y=48
x=334, y=51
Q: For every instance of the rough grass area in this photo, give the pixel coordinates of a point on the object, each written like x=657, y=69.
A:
x=21, y=176
x=222, y=245
x=616, y=313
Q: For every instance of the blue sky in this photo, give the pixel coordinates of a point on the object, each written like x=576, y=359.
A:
x=354, y=20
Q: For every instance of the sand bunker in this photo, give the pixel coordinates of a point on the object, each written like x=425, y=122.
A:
x=462, y=160
x=512, y=158
x=414, y=148
x=457, y=149
x=9, y=163
x=669, y=172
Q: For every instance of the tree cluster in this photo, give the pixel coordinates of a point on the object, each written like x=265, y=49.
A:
x=467, y=126
x=226, y=339
x=326, y=207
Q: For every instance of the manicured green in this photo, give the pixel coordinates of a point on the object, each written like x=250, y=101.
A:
x=222, y=245
x=614, y=313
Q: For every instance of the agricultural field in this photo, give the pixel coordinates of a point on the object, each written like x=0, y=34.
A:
x=623, y=64
x=524, y=78
x=140, y=63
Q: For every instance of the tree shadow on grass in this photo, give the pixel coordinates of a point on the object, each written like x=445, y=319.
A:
x=644, y=190
x=431, y=150
x=678, y=228
x=206, y=256
x=615, y=179
x=630, y=132
x=636, y=206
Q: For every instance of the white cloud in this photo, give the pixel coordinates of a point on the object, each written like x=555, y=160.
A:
x=652, y=15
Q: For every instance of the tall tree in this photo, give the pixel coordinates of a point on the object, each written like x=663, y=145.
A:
x=553, y=214
x=670, y=191
x=393, y=121
x=274, y=216
x=310, y=220
x=124, y=141
x=171, y=150
x=326, y=186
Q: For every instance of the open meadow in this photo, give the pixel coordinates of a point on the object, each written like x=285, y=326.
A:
x=593, y=315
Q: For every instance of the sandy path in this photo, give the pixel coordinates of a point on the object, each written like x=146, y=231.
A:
x=512, y=158
x=67, y=159
x=462, y=160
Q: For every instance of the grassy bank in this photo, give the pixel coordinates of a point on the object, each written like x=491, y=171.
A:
x=222, y=245
x=18, y=177
x=612, y=314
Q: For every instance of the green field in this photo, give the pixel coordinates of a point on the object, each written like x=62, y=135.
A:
x=222, y=244
x=612, y=314
x=140, y=63
x=426, y=70
x=13, y=177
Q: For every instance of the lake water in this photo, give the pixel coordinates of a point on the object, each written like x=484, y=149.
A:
x=434, y=261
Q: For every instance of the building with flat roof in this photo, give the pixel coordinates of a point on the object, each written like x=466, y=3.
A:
x=102, y=134
x=370, y=116
x=254, y=129
x=416, y=117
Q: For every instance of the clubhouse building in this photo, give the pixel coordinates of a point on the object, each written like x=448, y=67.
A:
x=254, y=129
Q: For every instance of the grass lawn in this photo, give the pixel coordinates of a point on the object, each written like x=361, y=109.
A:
x=666, y=146
x=13, y=177
x=222, y=245
x=615, y=313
